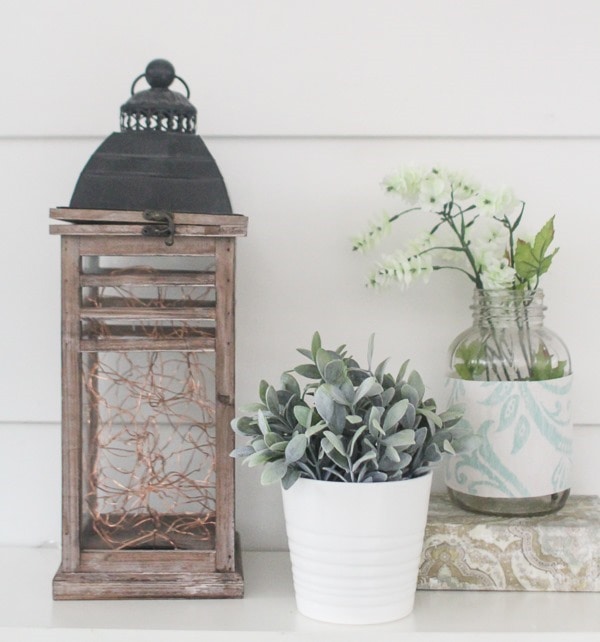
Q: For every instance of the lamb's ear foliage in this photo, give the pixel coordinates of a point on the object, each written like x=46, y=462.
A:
x=346, y=424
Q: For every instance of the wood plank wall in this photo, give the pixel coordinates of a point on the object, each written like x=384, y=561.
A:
x=305, y=105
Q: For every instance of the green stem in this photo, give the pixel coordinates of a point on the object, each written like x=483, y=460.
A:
x=458, y=269
x=463, y=243
x=374, y=231
x=397, y=216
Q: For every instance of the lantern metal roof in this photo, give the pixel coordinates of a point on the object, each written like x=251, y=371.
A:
x=157, y=161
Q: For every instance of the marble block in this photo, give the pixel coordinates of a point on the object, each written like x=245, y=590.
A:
x=468, y=551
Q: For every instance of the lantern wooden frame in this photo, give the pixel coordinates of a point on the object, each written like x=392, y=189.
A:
x=89, y=573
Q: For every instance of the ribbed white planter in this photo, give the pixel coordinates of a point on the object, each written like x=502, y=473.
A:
x=355, y=548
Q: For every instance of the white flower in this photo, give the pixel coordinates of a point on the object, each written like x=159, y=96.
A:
x=435, y=192
x=419, y=244
x=463, y=187
x=487, y=235
x=406, y=183
x=499, y=203
x=377, y=230
x=496, y=274
x=401, y=268
x=463, y=191
x=474, y=232
x=488, y=242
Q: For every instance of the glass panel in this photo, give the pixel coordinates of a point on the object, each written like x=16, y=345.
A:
x=116, y=264
x=149, y=450
x=162, y=299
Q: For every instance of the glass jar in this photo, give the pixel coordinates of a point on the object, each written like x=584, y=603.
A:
x=513, y=377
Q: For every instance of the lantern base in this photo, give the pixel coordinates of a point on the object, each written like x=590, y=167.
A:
x=146, y=583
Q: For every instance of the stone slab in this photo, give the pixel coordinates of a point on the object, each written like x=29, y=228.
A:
x=469, y=551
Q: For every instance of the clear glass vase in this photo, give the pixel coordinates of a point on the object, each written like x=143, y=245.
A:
x=513, y=376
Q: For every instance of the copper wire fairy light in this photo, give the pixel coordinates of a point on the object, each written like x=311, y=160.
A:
x=151, y=418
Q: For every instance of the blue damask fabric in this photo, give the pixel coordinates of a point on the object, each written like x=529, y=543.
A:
x=525, y=441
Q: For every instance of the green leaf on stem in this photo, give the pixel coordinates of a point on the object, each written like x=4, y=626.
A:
x=532, y=259
x=472, y=355
x=543, y=369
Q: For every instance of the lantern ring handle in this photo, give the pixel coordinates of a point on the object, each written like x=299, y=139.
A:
x=181, y=80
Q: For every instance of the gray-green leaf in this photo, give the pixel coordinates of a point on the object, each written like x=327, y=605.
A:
x=402, y=439
x=316, y=428
x=324, y=404
x=452, y=415
x=368, y=388
x=368, y=456
x=335, y=393
x=323, y=358
x=273, y=472
x=303, y=415
x=335, y=372
x=335, y=441
x=391, y=454
x=263, y=424
x=355, y=438
x=290, y=384
x=272, y=400
x=315, y=345
x=296, y=448
x=435, y=419
x=244, y=426
x=410, y=393
x=262, y=391
x=395, y=414
x=308, y=370
x=370, y=351
x=242, y=451
x=402, y=371
x=354, y=419
x=290, y=478
x=380, y=370
x=272, y=438
x=414, y=380
x=262, y=457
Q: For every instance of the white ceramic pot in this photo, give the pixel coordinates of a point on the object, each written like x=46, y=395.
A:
x=355, y=548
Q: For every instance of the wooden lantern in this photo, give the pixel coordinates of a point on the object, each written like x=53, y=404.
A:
x=148, y=253
x=148, y=396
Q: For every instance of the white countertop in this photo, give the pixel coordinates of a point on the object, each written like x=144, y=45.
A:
x=268, y=612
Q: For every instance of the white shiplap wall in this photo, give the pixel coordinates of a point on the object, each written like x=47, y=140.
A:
x=305, y=105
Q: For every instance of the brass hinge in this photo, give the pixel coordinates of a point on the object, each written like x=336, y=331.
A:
x=164, y=225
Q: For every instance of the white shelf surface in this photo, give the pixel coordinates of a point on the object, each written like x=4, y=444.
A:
x=268, y=612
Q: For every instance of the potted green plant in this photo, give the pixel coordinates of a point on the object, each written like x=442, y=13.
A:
x=352, y=448
x=512, y=373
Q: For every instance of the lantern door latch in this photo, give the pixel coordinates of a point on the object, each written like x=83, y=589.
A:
x=163, y=225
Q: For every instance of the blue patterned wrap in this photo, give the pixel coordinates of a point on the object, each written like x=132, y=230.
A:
x=525, y=438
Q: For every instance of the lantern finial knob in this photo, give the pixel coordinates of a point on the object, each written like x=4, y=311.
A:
x=160, y=73
x=159, y=108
